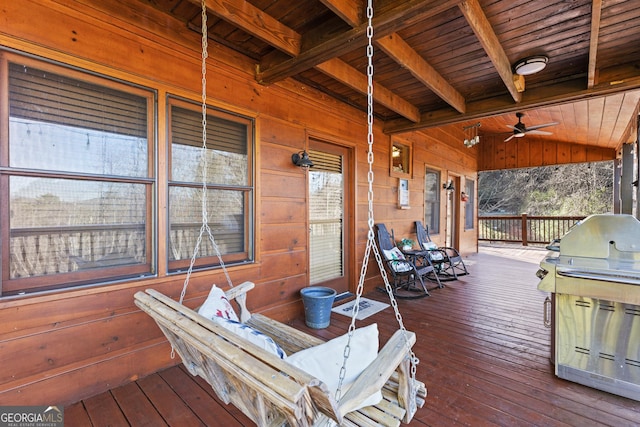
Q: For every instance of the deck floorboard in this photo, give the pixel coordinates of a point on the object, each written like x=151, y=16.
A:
x=483, y=350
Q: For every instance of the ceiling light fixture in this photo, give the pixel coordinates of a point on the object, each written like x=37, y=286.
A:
x=471, y=135
x=530, y=65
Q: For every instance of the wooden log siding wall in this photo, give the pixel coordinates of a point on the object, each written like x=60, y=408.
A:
x=64, y=346
x=495, y=154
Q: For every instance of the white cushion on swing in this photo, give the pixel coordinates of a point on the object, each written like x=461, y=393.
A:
x=263, y=341
x=324, y=361
x=217, y=305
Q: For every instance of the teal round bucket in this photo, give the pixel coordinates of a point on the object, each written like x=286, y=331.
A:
x=317, y=302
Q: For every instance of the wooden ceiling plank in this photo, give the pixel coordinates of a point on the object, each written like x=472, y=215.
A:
x=257, y=23
x=482, y=28
x=596, y=11
x=610, y=116
x=559, y=93
x=628, y=114
x=581, y=115
x=595, y=115
x=394, y=46
x=351, y=13
x=351, y=77
x=398, y=16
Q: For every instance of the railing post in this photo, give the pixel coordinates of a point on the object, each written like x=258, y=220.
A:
x=524, y=230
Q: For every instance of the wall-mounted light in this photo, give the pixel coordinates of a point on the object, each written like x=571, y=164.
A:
x=302, y=159
x=448, y=186
x=471, y=135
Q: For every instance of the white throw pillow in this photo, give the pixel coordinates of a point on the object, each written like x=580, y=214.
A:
x=397, y=260
x=256, y=337
x=324, y=361
x=434, y=253
x=430, y=246
x=217, y=305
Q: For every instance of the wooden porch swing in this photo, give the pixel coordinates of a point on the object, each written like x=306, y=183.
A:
x=266, y=388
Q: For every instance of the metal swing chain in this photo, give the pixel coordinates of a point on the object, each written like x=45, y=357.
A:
x=370, y=234
x=204, y=162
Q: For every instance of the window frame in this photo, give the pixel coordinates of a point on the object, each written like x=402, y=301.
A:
x=469, y=204
x=437, y=202
x=80, y=277
x=248, y=190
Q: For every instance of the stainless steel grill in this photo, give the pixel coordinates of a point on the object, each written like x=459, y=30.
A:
x=594, y=306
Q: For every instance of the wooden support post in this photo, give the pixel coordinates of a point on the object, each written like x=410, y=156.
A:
x=525, y=237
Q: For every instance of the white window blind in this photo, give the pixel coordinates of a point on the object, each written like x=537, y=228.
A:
x=432, y=191
x=78, y=179
x=229, y=194
x=326, y=194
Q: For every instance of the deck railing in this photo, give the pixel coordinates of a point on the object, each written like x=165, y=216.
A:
x=524, y=229
x=37, y=251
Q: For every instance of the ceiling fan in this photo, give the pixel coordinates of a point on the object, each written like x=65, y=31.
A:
x=520, y=129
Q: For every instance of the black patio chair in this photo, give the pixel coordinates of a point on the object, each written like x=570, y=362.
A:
x=448, y=261
x=408, y=279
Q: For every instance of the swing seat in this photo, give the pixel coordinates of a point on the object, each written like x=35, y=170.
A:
x=271, y=391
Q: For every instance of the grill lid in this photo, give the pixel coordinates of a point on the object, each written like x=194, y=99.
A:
x=598, y=258
x=603, y=236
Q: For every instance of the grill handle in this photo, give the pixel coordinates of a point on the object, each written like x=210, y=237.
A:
x=554, y=245
x=547, y=312
x=601, y=276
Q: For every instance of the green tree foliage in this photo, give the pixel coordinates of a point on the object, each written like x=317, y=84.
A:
x=575, y=189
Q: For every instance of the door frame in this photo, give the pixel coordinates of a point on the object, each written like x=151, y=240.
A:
x=315, y=140
x=452, y=213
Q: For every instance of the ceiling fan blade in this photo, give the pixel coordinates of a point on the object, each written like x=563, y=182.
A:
x=509, y=138
x=538, y=132
x=542, y=126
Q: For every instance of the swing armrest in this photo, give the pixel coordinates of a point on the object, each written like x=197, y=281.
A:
x=374, y=377
x=238, y=290
x=239, y=293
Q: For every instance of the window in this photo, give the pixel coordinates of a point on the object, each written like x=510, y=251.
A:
x=78, y=178
x=326, y=217
x=432, y=189
x=469, y=204
x=229, y=186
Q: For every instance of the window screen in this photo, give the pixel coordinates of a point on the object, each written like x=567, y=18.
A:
x=432, y=189
x=326, y=208
x=229, y=198
x=78, y=177
x=470, y=204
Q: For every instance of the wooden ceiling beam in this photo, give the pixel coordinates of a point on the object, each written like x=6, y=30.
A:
x=596, y=12
x=397, y=49
x=400, y=51
x=560, y=93
x=351, y=12
x=271, y=31
x=257, y=23
x=487, y=37
x=351, y=77
x=397, y=16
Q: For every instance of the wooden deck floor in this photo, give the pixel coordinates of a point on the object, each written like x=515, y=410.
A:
x=484, y=356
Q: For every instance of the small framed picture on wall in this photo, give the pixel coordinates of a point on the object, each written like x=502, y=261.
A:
x=401, y=159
